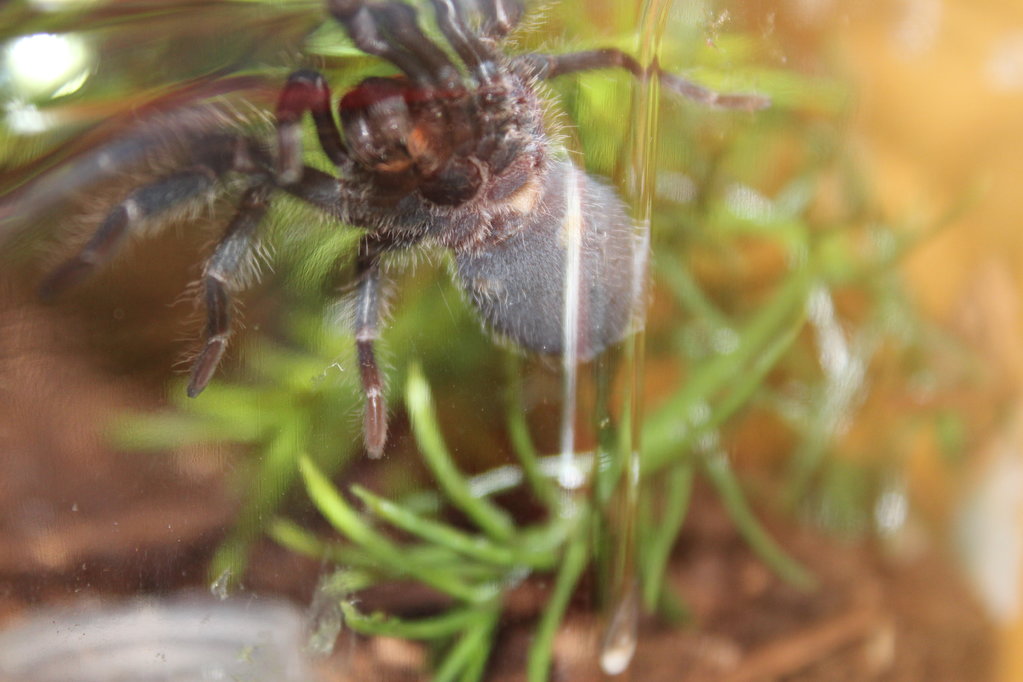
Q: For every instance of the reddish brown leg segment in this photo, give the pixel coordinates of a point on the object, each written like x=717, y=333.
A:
x=305, y=91
x=368, y=302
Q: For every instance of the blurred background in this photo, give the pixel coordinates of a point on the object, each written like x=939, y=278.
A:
x=936, y=119
x=834, y=339
x=937, y=105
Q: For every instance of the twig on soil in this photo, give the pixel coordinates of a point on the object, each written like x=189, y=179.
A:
x=810, y=645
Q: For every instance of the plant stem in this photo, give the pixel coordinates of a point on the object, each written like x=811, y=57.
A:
x=721, y=476
x=664, y=533
x=518, y=432
x=382, y=625
x=542, y=649
x=474, y=643
x=444, y=535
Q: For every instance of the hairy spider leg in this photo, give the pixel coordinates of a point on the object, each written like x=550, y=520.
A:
x=554, y=65
x=304, y=91
x=400, y=26
x=323, y=192
x=363, y=28
x=454, y=24
x=217, y=156
x=222, y=273
x=153, y=201
x=368, y=302
x=169, y=117
x=225, y=267
x=500, y=17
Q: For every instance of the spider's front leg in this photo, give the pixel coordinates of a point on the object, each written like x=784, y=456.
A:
x=554, y=65
x=231, y=261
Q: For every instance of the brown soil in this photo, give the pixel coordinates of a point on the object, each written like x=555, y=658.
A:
x=81, y=521
x=871, y=617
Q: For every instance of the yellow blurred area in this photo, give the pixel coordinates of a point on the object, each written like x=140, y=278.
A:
x=939, y=118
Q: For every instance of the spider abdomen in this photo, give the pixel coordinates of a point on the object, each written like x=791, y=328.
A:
x=568, y=273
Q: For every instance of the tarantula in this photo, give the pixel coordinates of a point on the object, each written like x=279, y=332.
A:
x=444, y=154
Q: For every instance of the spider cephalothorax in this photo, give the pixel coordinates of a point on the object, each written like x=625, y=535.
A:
x=443, y=154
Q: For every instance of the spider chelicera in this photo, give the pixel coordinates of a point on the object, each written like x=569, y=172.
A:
x=446, y=154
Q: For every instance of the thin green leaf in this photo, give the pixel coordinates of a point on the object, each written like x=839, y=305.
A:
x=271, y=480
x=670, y=428
x=444, y=535
x=292, y=536
x=518, y=432
x=492, y=520
x=572, y=565
x=475, y=641
x=382, y=625
x=687, y=292
x=720, y=473
x=663, y=534
x=391, y=557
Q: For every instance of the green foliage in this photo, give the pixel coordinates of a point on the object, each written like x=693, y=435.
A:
x=474, y=569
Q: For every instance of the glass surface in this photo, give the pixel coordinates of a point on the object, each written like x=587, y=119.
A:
x=720, y=410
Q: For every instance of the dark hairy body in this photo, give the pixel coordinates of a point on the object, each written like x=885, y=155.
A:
x=444, y=154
